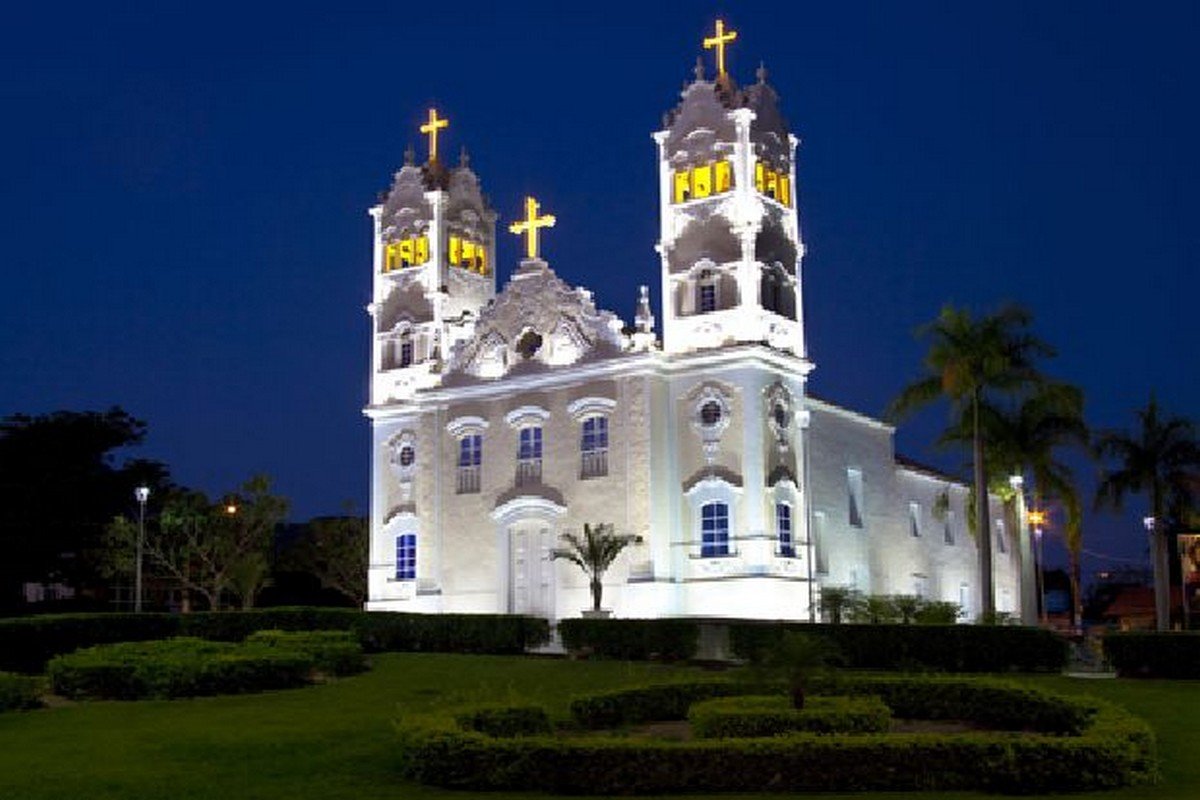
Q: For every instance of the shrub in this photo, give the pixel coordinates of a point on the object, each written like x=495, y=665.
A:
x=1114, y=750
x=949, y=648
x=1154, y=655
x=631, y=639
x=331, y=652
x=175, y=668
x=19, y=692
x=630, y=706
x=502, y=721
x=771, y=715
x=27, y=643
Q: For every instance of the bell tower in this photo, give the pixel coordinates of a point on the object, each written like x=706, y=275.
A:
x=433, y=268
x=730, y=234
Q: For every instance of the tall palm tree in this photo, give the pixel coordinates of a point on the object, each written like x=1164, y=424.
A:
x=1026, y=439
x=970, y=360
x=1160, y=458
x=594, y=552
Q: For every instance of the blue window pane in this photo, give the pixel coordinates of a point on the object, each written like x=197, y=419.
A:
x=708, y=298
x=783, y=526
x=530, y=443
x=595, y=434
x=470, y=449
x=714, y=529
x=406, y=354
x=406, y=557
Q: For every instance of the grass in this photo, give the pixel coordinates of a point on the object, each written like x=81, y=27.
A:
x=336, y=740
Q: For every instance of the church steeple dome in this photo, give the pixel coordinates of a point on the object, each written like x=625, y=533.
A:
x=730, y=237
x=434, y=251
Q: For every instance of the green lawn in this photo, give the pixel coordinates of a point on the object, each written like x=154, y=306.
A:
x=336, y=740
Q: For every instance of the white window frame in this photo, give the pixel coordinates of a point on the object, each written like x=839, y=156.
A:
x=855, y=512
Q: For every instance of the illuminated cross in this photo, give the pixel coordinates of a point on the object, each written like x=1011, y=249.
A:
x=719, y=41
x=431, y=128
x=529, y=226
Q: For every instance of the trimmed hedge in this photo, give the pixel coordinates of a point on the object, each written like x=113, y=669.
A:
x=771, y=715
x=506, y=721
x=1115, y=750
x=631, y=639
x=331, y=652
x=630, y=706
x=1154, y=655
x=19, y=692
x=27, y=643
x=945, y=648
x=180, y=667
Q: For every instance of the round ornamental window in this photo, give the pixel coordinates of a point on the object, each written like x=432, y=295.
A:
x=529, y=343
x=407, y=456
x=781, y=416
x=710, y=413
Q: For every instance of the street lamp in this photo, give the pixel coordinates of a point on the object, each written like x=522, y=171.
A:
x=1037, y=519
x=141, y=494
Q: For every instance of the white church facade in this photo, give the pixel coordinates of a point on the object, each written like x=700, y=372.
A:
x=501, y=420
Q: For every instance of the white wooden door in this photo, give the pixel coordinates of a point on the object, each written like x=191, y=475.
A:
x=531, y=576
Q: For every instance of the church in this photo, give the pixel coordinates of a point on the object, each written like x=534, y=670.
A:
x=502, y=419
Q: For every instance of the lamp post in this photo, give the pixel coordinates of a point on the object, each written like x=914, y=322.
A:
x=1037, y=519
x=1162, y=575
x=141, y=494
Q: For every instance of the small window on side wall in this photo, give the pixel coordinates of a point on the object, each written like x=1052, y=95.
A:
x=854, y=496
x=406, y=557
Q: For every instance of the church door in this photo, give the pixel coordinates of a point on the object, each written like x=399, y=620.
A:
x=531, y=571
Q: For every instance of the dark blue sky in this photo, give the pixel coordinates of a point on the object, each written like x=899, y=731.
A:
x=185, y=190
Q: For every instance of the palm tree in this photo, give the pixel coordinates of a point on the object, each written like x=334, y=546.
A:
x=968, y=361
x=1161, y=458
x=1026, y=439
x=594, y=552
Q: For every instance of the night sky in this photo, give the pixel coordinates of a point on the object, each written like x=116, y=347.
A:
x=185, y=191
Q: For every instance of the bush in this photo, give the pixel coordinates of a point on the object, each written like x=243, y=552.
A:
x=27, y=643
x=949, y=648
x=506, y=722
x=631, y=639
x=1114, y=750
x=631, y=706
x=19, y=692
x=1154, y=655
x=175, y=668
x=771, y=715
x=331, y=652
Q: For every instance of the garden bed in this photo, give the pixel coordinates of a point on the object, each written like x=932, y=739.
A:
x=1048, y=743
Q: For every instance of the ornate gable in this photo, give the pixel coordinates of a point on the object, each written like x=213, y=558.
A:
x=538, y=322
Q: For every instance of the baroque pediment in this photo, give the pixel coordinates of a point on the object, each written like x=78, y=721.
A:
x=537, y=322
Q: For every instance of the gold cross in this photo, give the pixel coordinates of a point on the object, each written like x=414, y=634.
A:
x=529, y=226
x=431, y=128
x=719, y=41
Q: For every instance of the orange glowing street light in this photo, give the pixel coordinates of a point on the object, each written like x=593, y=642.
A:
x=231, y=509
x=1036, y=518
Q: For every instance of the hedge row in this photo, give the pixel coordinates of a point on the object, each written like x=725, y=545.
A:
x=330, y=652
x=19, y=692
x=1154, y=655
x=1115, y=750
x=182, y=667
x=631, y=639
x=771, y=715
x=949, y=648
x=27, y=643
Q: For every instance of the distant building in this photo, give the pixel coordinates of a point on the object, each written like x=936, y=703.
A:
x=500, y=420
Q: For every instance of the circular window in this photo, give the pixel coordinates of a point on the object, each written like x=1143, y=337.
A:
x=407, y=456
x=710, y=413
x=529, y=343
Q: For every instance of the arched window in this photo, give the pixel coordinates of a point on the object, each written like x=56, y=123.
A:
x=593, y=447
x=470, y=456
x=529, y=455
x=706, y=293
x=714, y=529
x=406, y=557
x=783, y=530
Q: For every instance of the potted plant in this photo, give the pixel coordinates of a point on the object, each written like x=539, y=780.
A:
x=594, y=552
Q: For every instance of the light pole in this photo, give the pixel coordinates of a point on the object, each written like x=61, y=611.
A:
x=1162, y=575
x=141, y=494
x=1037, y=519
